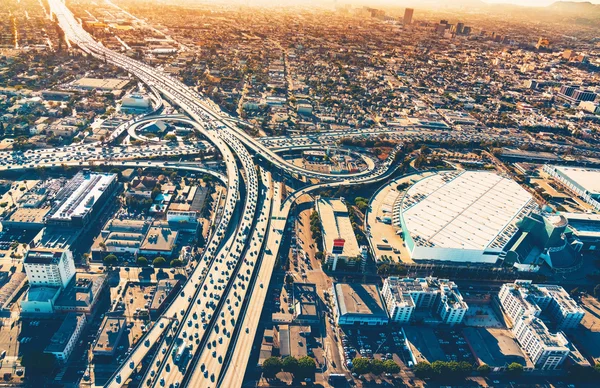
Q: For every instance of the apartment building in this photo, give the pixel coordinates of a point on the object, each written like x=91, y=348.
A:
x=545, y=349
x=404, y=296
x=522, y=299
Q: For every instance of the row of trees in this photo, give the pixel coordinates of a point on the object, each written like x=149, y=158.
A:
x=362, y=365
x=302, y=367
x=315, y=227
x=455, y=369
x=142, y=261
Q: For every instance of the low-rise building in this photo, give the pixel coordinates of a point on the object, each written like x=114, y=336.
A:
x=111, y=332
x=306, y=303
x=582, y=181
x=82, y=198
x=39, y=300
x=81, y=294
x=65, y=339
x=359, y=304
x=339, y=240
x=166, y=289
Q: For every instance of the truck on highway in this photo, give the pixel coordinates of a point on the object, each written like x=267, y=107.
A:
x=180, y=351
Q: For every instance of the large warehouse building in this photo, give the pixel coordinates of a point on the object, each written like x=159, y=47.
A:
x=584, y=182
x=462, y=216
x=339, y=240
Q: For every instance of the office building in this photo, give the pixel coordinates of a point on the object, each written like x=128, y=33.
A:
x=81, y=199
x=408, y=15
x=405, y=296
x=462, y=216
x=49, y=267
x=339, y=241
x=359, y=304
x=65, y=339
x=582, y=181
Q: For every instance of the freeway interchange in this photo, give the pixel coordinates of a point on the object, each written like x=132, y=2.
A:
x=211, y=324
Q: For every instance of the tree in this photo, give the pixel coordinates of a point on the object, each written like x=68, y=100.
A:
x=306, y=367
x=377, y=366
x=597, y=291
x=176, y=263
x=319, y=256
x=361, y=365
x=141, y=261
x=574, y=292
x=159, y=262
x=289, y=279
x=290, y=364
x=391, y=366
x=110, y=259
x=484, y=369
x=423, y=369
x=439, y=368
x=170, y=138
x=271, y=366
x=515, y=368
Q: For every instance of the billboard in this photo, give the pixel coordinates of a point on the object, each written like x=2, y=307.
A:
x=338, y=246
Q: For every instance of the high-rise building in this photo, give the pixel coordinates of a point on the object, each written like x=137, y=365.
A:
x=460, y=28
x=408, y=15
x=49, y=267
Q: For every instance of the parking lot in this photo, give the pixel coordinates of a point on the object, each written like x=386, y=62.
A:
x=587, y=336
x=375, y=342
x=495, y=347
x=424, y=344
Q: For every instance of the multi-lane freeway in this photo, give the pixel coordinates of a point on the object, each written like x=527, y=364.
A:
x=207, y=331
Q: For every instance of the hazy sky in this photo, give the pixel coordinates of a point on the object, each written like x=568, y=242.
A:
x=534, y=3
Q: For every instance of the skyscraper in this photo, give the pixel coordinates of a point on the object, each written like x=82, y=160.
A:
x=408, y=14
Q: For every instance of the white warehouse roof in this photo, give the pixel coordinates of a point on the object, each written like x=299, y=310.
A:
x=464, y=210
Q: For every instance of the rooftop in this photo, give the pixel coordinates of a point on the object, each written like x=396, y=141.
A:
x=336, y=225
x=29, y=215
x=101, y=83
x=549, y=339
x=82, y=291
x=41, y=293
x=110, y=333
x=62, y=337
x=159, y=238
x=164, y=288
x=80, y=194
x=359, y=299
x=587, y=178
x=464, y=210
x=43, y=256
